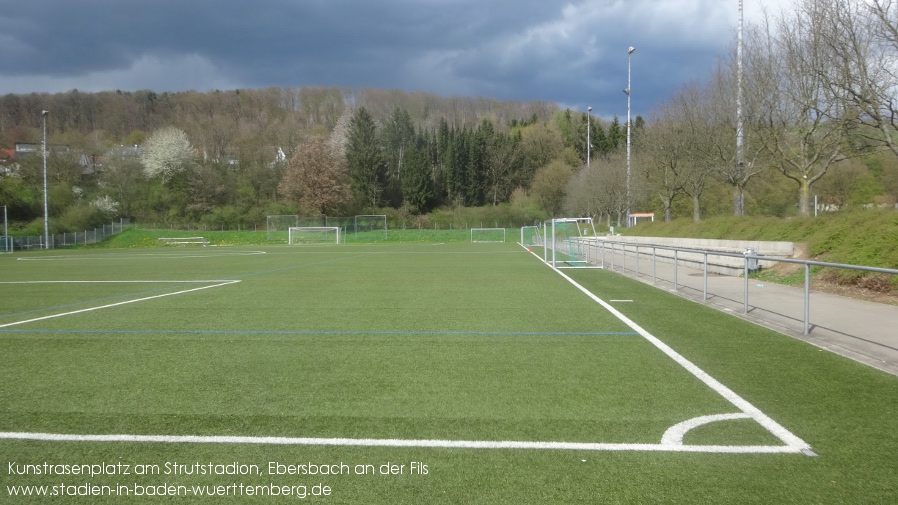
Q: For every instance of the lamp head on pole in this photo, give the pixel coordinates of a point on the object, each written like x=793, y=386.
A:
x=44, y=112
x=630, y=50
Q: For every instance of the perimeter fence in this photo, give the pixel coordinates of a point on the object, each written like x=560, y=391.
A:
x=27, y=242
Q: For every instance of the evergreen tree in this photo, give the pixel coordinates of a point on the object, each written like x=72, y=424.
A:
x=397, y=135
x=417, y=184
x=367, y=168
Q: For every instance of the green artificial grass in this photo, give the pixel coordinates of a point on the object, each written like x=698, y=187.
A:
x=440, y=340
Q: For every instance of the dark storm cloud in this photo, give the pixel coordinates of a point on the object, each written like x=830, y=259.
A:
x=573, y=53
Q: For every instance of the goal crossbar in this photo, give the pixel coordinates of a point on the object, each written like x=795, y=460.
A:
x=313, y=235
x=487, y=234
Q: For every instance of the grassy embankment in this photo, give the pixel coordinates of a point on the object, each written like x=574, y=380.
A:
x=868, y=238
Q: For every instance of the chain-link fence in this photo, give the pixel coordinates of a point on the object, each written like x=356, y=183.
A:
x=24, y=243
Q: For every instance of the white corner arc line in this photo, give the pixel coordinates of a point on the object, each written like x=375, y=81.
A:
x=674, y=435
x=380, y=442
x=763, y=419
x=90, y=309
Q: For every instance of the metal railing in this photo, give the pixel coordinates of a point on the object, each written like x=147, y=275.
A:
x=606, y=253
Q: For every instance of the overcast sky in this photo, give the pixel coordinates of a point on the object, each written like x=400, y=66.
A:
x=572, y=52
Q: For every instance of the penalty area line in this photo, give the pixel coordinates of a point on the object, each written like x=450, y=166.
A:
x=90, y=309
x=378, y=442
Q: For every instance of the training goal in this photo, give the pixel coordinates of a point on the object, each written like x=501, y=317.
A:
x=531, y=236
x=300, y=235
x=570, y=242
x=369, y=227
x=487, y=234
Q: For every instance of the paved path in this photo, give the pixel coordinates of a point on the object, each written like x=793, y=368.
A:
x=864, y=331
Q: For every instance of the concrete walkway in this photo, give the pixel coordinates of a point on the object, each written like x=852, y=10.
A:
x=863, y=331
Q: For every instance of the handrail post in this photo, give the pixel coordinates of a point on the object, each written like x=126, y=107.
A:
x=807, y=298
x=624, y=261
x=676, y=269
x=705, y=279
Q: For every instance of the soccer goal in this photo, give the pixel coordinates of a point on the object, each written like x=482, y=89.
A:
x=299, y=235
x=370, y=227
x=487, y=234
x=531, y=236
x=570, y=242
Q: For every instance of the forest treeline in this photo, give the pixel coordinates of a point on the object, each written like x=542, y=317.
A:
x=406, y=152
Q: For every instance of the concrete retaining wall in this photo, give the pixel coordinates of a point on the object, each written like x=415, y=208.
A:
x=726, y=265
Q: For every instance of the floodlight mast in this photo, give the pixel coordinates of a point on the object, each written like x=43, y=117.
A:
x=588, y=143
x=629, y=127
x=44, y=114
x=740, y=124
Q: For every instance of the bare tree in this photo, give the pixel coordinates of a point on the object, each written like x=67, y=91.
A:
x=663, y=155
x=600, y=191
x=681, y=148
x=720, y=147
x=862, y=43
x=802, y=124
x=317, y=179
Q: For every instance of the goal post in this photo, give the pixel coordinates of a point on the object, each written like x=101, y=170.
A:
x=531, y=236
x=487, y=234
x=299, y=235
x=570, y=242
x=370, y=227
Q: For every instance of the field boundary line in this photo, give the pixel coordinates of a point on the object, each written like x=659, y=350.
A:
x=379, y=442
x=786, y=436
x=175, y=255
x=218, y=283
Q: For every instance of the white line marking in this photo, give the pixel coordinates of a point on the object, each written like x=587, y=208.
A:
x=620, y=301
x=377, y=442
x=772, y=426
x=90, y=309
x=144, y=255
x=118, y=282
x=674, y=435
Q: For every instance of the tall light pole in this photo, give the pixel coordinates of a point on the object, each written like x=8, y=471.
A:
x=5, y=231
x=740, y=125
x=588, y=143
x=629, y=127
x=46, y=208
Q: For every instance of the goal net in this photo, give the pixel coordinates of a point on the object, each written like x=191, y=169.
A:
x=314, y=235
x=370, y=227
x=487, y=234
x=531, y=236
x=277, y=227
x=570, y=242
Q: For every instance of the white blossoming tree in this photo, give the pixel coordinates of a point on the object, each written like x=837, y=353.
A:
x=167, y=153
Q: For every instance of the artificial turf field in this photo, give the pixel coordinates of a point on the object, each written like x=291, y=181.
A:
x=426, y=373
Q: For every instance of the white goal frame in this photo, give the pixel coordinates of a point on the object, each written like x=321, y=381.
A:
x=570, y=242
x=534, y=234
x=491, y=232
x=323, y=231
